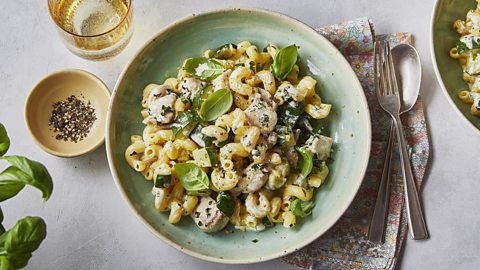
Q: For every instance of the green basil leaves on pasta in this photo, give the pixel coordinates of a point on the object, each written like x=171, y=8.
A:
x=225, y=203
x=185, y=123
x=202, y=96
x=203, y=68
x=301, y=208
x=305, y=161
x=284, y=61
x=18, y=243
x=192, y=177
x=216, y=105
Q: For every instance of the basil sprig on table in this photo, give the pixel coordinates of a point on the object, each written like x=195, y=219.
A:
x=26, y=172
x=216, y=105
x=193, y=178
x=203, y=68
x=305, y=161
x=284, y=61
x=301, y=208
x=4, y=140
x=18, y=243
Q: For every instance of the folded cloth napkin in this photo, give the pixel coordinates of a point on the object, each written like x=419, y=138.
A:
x=345, y=245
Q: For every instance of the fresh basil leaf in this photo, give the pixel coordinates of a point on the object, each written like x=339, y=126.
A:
x=202, y=96
x=163, y=181
x=284, y=61
x=192, y=177
x=29, y=172
x=5, y=264
x=9, y=189
x=199, y=138
x=225, y=203
x=203, y=68
x=305, y=161
x=185, y=123
x=216, y=105
x=301, y=208
x=4, y=140
x=225, y=51
x=25, y=237
x=289, y=112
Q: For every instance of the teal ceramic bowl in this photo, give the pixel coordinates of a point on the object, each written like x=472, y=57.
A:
x=350, y=129
x=442, y=38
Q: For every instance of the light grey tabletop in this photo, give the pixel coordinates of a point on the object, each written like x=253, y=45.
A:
x=91, y=227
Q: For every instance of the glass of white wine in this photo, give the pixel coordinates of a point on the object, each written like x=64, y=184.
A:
x=93, y=29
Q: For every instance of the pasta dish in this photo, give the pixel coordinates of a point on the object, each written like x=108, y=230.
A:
x=238, y=136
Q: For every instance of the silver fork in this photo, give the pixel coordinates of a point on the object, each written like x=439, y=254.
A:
x=389, y=99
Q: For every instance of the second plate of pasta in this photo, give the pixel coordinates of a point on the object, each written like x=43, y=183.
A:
x=238, y=147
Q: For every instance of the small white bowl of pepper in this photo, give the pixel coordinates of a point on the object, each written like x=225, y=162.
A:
x=66, y=112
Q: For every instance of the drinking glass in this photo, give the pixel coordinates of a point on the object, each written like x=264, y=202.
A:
x=93, y=29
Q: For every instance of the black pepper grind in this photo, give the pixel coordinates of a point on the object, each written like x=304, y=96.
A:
x=72, y=119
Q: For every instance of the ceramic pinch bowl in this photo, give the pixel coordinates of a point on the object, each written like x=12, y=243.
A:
x=59, y=86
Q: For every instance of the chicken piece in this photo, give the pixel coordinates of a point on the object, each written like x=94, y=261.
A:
x=261, y=113
x=208, y=217
x=252, y=178
x=221, y=82
x=319, y=145
x=191, y=87
x=160, y=104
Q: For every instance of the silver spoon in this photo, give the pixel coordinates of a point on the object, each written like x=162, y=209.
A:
x=409, y=73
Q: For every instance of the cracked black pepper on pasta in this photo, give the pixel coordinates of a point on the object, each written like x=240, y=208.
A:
x=72, y=119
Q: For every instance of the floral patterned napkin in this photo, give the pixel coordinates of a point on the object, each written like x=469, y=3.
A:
x=345, y=245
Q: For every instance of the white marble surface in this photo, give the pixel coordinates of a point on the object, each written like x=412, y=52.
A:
x=90, y=226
